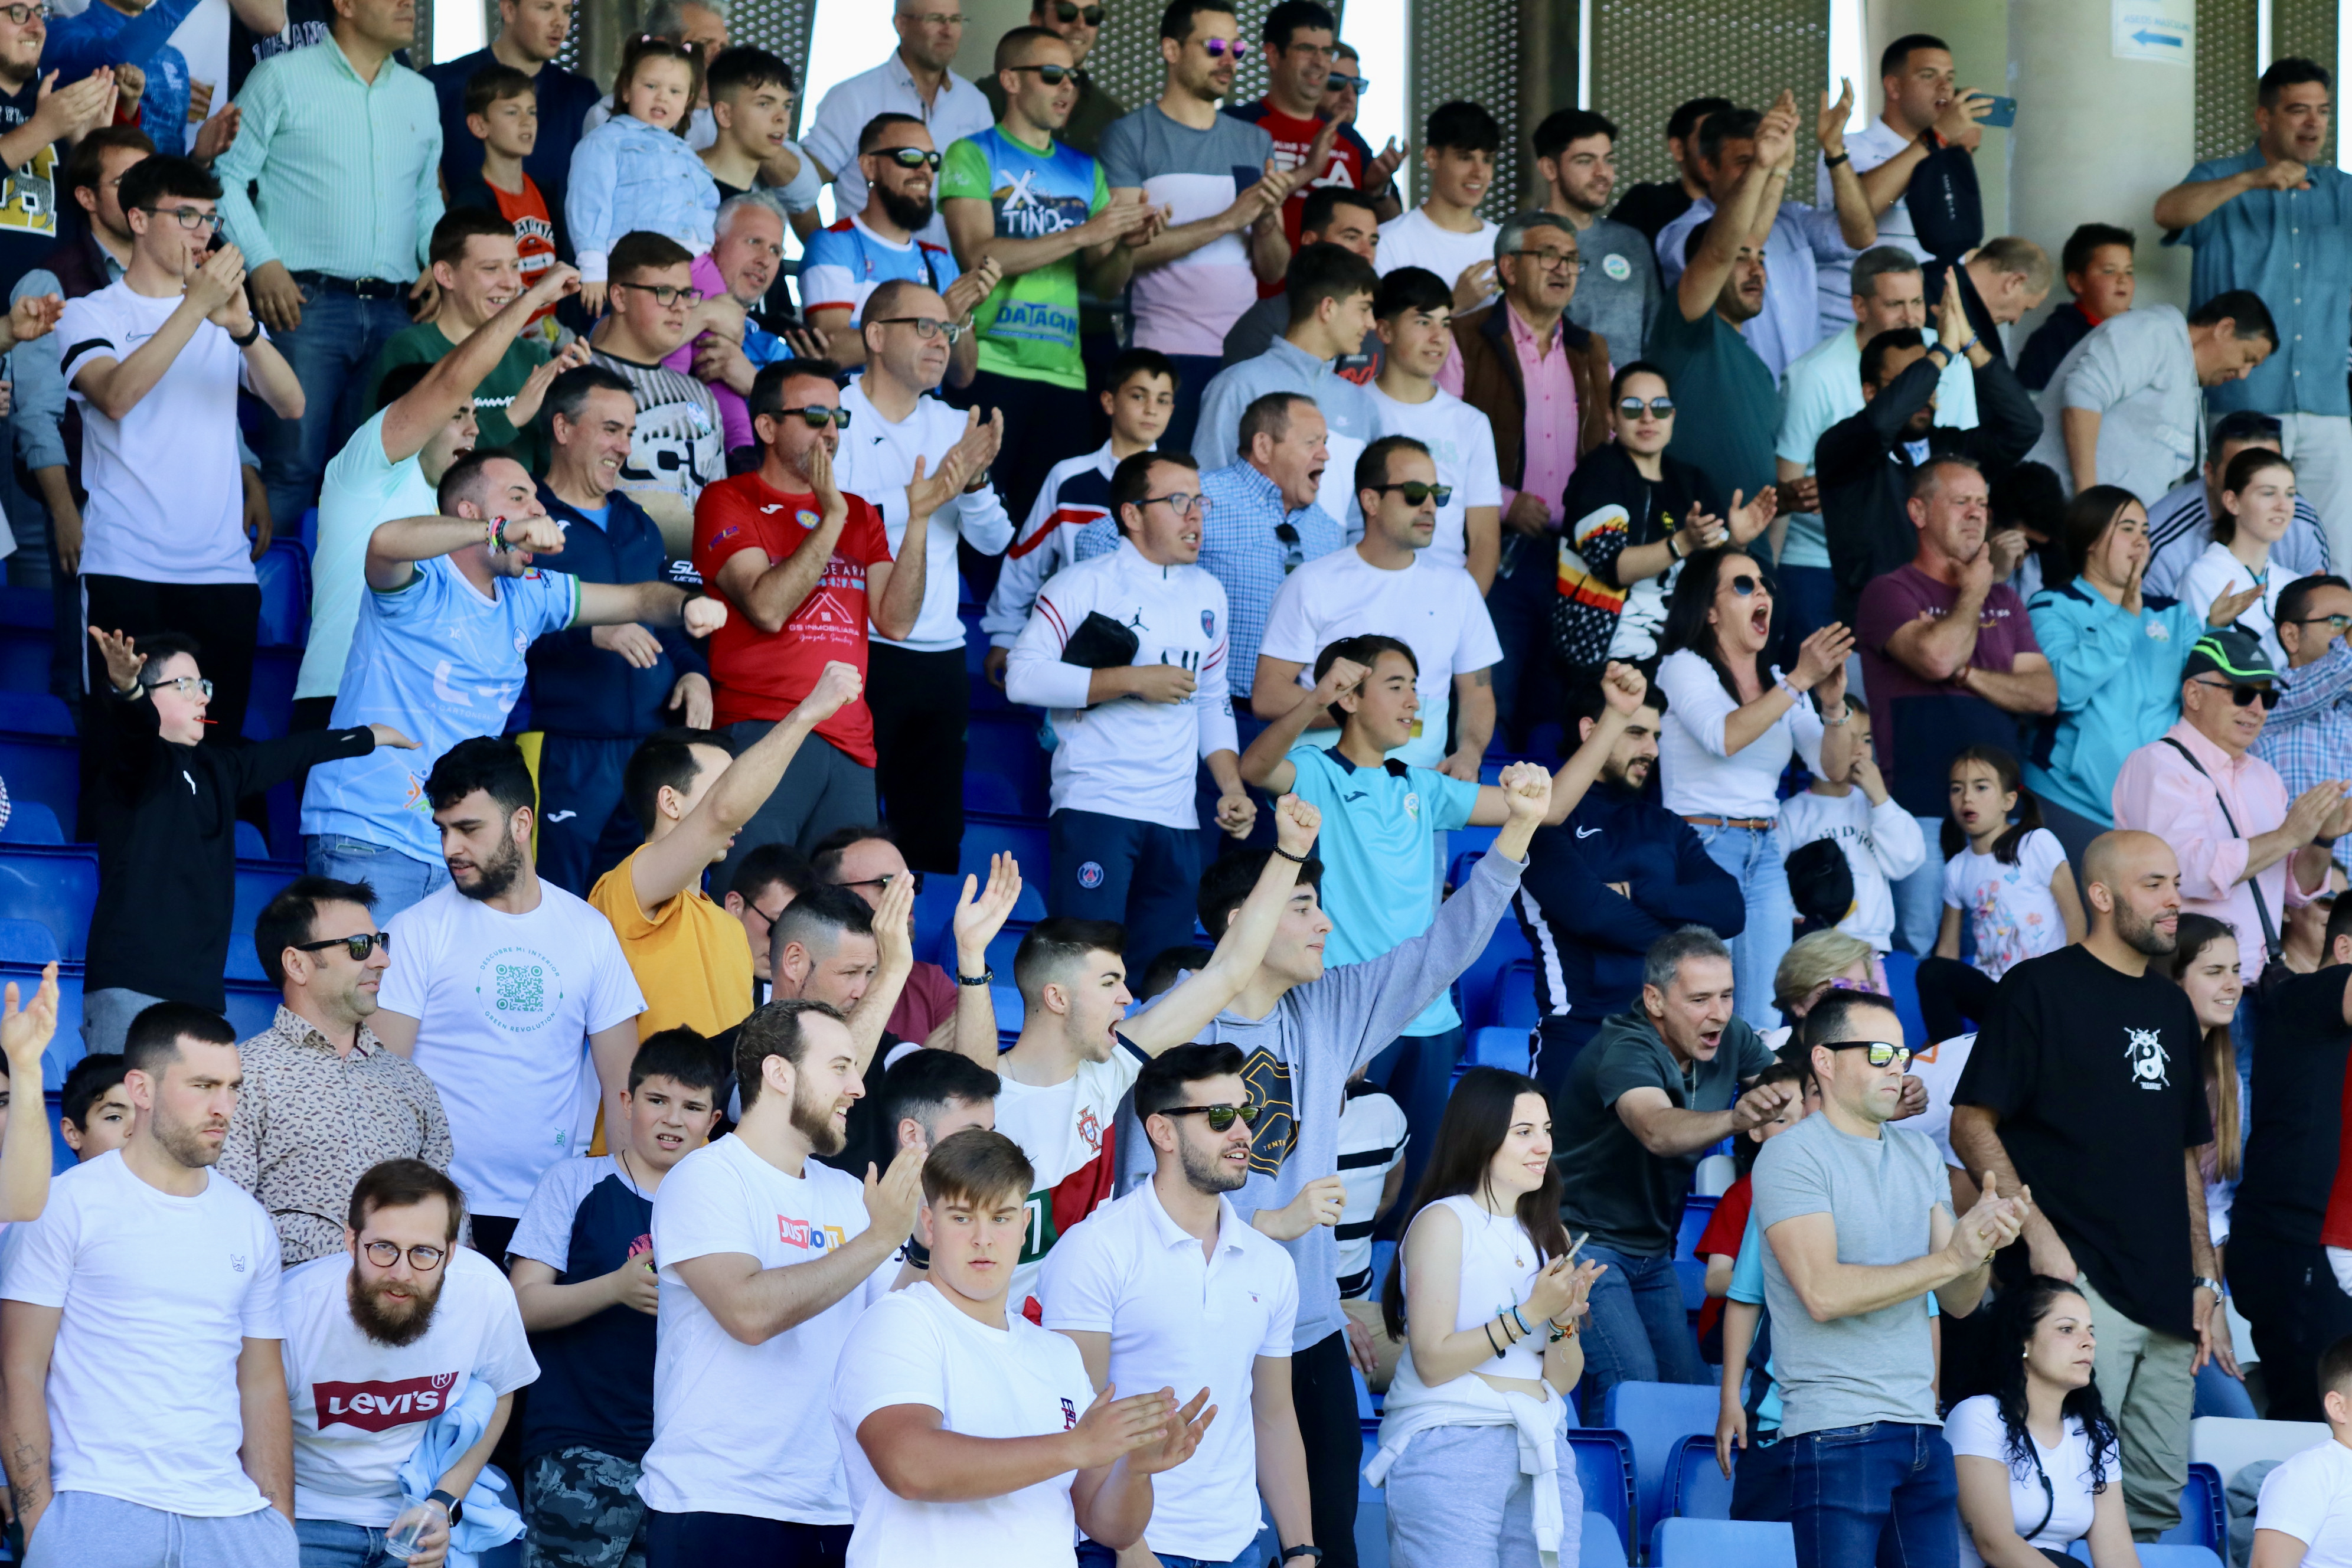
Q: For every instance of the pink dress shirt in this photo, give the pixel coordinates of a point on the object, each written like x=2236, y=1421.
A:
x=2158, y=791
x=1550, y=440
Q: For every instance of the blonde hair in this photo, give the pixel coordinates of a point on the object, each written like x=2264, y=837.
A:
x=1813, y=961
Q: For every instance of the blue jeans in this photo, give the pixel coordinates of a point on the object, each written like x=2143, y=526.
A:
x=2219, y=1393
x=333, y=353
x=398, y=880
x=1753, y=857
x=1526, y=585
x=1095, y=1554
x=332, y=1544
x=1883, y=1492
x=1638, y=1332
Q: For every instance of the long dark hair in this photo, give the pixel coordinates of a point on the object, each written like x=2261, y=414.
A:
x=1477, y=1119
x=2015, y=1317
x=1686, y=623
x=2197, y=933
x=2088, y=517
x=2029, y=810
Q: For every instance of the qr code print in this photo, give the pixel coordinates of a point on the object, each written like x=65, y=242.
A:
x=519, y=987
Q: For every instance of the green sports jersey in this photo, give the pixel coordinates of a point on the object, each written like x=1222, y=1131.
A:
x=1029, y=326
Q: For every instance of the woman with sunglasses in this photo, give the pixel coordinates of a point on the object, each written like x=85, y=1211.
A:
x=2257, y=509
x=1733, y=721
x=1489, y=1301
x=1634, y=513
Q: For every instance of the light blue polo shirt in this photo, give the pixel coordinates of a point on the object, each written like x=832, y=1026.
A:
x=1379, y=851
x=362, y=489
x=2290, y=247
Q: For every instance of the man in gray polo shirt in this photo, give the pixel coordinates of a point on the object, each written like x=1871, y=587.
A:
x=1858, y=1219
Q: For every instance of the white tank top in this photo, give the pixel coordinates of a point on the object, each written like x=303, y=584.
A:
x=1499, y=1264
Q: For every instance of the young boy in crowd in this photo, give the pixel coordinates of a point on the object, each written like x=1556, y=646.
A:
x=750, y=94
x=502, y=114
x=1881, y=840
x=583, y=1275
x=94, y=1108
x=2097, y=262
x=2304, y=1519
x=970, y=1433
x=1414, y=312
x=1076, y=495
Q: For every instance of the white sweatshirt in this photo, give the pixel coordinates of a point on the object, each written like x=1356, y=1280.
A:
x=1075, y=493
x=877, y=460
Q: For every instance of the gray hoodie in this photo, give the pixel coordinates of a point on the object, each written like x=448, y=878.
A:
x=1301, y=1054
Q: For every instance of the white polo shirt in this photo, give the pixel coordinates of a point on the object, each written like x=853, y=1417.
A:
x=1183, y=1318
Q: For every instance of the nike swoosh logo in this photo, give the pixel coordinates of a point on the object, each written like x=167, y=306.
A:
x=561, y=815
x=1580, y=833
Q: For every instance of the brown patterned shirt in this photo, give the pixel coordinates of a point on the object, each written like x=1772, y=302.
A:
x=310, y=1122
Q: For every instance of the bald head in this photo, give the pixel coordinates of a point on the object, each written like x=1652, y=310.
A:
x=2132, y=881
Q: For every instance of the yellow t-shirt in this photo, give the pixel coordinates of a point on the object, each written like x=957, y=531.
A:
x=691, y=958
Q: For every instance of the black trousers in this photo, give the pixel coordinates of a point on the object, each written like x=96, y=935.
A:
x=1042, y=425
x=2291, y=1300
x=922, y=706
x=224, y=617
x=1323, y=1388
x=1954, y=998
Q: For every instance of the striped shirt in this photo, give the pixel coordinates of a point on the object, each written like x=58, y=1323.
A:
x=2310, y=734
x=347, y=171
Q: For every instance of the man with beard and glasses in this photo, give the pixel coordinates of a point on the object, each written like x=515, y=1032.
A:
x=397, y=1331
x=2086, y=1085
x=148, y=1273
x=767, y=1257
x=1170, y=1287
x=501, y=987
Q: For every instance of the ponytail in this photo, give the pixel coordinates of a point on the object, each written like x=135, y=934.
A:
x=2007, y=848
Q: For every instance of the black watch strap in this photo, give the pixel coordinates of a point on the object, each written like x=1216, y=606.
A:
x=1312, y=1554
x=247, y=342
x=449, y=1501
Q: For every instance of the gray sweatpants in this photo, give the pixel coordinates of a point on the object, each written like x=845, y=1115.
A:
x=86, y=1530
x=1457, y=1499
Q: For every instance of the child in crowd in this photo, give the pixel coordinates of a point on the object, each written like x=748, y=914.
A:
x=1881, y=840
x=502, y=114
x=635, y=171
x=1718, y=1244
x=94, y=1108
x=2257, y=508
x=2097, y=265
x=2009, y=881
x=583, y=1269
x=1373, y=1139
x=2305, y=1517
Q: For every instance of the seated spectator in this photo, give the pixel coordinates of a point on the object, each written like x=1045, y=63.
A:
x=2180, y=525
x=1634, y=514
x=1881, y=841
x=1133, y=721
x=886, y=241
x=1661, y=1084
x=506, y=991
x=1865, y=465
x=2299, y=1517
x=2306, y=738
x=1605, y=886
x=529, y=38
x=693, y=794
x=1948, y=660
x=2122, y=406
x=1455, y=1480
x=155, y=360
x=914, y=83
x=391, y=468
x=1802, y=243
x=94, y=1108
x=749, y=93
x=1330, y=214
x=2257, y=509
x=1733, y=721
x=403, y=1312
x=1414, y=324
x=2116, y=651
x=478, y=270
x=1381, y=588
x=679, y=444
x=864, y=858
x=732, y=349
x=163, y=807
x=802, y=594
x=765, y=883
x=503, y=132
x=324, y=1100
x=1330, y=292
x=2098, y=266
x=2010, y=882
x=2205, y=965
x=2045, y=1404
x=1574, y=150
x=903, y=1398
x=919, y=460
x=1444, y=233
x=1075, y=493
x=635, y=173
x=583, y=1277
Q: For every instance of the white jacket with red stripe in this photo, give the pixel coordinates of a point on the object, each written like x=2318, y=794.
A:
x=1077, y=493
x=1128, y=757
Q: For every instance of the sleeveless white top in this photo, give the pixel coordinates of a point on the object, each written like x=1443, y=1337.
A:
x=1499, y=1264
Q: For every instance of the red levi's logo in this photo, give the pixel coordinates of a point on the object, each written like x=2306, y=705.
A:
x=381, y=1406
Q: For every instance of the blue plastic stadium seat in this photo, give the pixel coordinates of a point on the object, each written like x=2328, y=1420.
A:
x=1602, y=1542
x=250, y=844
x=270, y=712
x=27, y=607
x=986, y=834
x=28, y=941
x=31, y=822
x=1010, y=1009
x=2204, y=1512
x=57, y=887
x=25, y=658
x=42, y=769
x=1696, y=1487
x=252, y=1006
x=1657, y=1417
x=1903, y=980
x=65, y=1045
x=986, y=791
x=258, y=882
x=1514, y=1005
x=1722, y=1543
x=1696, y=1212
x=35, y=713
x=284, y=573
x=1475, y=986
x=1007, y=747
x=1500, y=1048
x=1604, y=1467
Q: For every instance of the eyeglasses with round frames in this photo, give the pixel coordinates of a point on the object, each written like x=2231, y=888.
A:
x=359, y=944
x=1883, y=1052
x=666, y=294
x=386, y=1253
x=1220, y=1117
x=1743, y=585
x=927, y=328
x=20, y=15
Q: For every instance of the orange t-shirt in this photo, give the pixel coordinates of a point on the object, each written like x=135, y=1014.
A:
x=534, y=233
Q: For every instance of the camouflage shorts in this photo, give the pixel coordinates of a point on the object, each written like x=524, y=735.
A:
x=581, y=1509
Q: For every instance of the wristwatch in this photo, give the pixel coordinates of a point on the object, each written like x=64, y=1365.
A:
x=449, y=1501
x=247, y=342
x=2213, y=1285
x=1312, y=1554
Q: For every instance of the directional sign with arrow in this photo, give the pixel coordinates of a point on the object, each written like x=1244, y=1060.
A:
x=2164, y=31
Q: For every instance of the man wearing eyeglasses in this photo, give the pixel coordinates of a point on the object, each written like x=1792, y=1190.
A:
x=915, y=81
x=679, y=445
x=2180, y=525
x=324, y=1099
x=400, y=1328
x=36, y=127
x=2309, y=736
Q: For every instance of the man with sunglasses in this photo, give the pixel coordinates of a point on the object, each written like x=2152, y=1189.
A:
x=400, y=1328
x=2180, y=524
x=913, y=84
x=2309, y=736
x=324, y=1099
x=1078, y=24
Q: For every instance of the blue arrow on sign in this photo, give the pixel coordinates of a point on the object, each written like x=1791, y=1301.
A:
x=2145, y=36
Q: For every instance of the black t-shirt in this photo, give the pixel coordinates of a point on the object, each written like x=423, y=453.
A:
x=1649, y=207
x=2291, y=1149
x=2096, y=1077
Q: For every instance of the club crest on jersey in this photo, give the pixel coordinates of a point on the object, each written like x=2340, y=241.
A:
x=806, y=518
x=1090, y=875
x=1089, y=1128
x=1069, y=1415
x=1209, y=623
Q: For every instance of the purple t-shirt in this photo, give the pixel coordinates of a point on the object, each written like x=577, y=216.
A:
x=1917, y=725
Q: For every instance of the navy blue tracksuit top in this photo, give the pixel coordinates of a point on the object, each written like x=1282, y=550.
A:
x=578, y=688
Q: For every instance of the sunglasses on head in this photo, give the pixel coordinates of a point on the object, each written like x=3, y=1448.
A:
x=1631, y=407
x=1416, y=491
x=2246, y=696
x=909, y=157
x=1090, y=15
x=1220, y=1117
x=1882, y=1053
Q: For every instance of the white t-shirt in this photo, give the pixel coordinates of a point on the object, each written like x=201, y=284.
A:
x=2217, y=571
x=505, y=1005
x=543, y=1234
x=166, y=503
x=1434, y=610
x=160, y=1294
x=1974, y=1428
x=1882, y=844
x=1180, y=1318
x=1411, y=240
x=742, y=1428
x=1462, y=442
x=2010, y=908
x=1020, y=1381
x=360, y=1406
x=2309, y=1497
x=1939, y=1068
x=1695, y=775
x=1068, y=1131
x=1373, y=1139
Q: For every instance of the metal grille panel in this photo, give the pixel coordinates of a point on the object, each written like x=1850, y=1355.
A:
x=2225, y=76
x=1650, y=56
x=1126, y=59
x=1468, y=49
x=2306, y=28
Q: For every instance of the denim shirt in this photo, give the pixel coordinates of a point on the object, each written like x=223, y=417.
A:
x=627, y=175
x=2295, y=249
